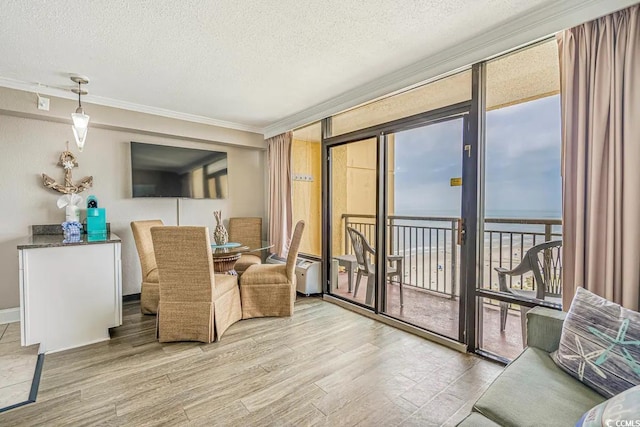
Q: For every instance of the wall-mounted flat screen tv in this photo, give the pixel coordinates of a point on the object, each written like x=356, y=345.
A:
x=165, y=171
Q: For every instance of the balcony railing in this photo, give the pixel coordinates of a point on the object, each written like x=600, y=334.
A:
x=431, y=253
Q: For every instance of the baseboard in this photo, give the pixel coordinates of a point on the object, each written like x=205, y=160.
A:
x=131, y=297
x=9, y=315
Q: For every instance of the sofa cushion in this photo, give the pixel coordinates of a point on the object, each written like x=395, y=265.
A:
x=600, y=344
x=544, y=328
x=475, y=419
x=534, y=391
x=622, y=407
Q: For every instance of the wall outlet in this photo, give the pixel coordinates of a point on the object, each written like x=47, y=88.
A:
x=301, y=177
x=43, y=103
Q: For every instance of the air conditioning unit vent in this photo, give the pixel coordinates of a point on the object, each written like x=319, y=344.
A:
x=308, y=274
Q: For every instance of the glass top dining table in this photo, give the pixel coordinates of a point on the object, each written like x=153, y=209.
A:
x=225, y=256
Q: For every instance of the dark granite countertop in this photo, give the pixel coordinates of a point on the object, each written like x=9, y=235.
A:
x=58, y=240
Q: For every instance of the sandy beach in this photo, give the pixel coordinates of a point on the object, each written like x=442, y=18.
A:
x=434, y=269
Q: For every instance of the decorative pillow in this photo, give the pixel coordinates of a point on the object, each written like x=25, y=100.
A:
x=600, y=344
x=624, y=408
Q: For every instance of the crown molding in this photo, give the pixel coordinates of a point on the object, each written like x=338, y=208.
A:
x=63, y=92
x=524, y=29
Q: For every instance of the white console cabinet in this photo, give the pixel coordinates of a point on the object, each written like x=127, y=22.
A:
x=70, y=293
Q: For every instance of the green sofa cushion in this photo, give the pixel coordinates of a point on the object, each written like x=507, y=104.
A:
x=534, y=391
x=544, y=328
x=474, y=419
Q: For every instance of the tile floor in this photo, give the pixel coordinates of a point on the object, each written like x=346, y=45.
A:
x=17, y=365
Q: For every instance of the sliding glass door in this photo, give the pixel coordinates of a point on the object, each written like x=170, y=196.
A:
x=353, y=196
x=522, y=197
x=395, y=208
x=424, y=208
x=426, y=218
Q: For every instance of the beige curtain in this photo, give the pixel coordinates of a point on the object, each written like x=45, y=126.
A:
x=280, y=204
x=600, y=90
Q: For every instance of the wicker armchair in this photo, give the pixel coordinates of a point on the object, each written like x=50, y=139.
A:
x=149, y=290
x=247, y=231
x=195, y=304
x=270, y=289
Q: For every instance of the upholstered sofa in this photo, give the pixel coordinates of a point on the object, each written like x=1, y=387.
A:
x=533, y=390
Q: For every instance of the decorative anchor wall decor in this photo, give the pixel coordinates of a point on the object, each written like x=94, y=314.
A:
x=68, y=162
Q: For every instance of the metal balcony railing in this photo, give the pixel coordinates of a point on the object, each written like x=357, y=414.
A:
x=431, y=254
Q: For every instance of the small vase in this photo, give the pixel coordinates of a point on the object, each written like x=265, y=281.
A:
x=220, y=235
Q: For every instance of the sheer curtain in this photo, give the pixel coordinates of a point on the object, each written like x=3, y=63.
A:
x=600, y=90
x=280, y=204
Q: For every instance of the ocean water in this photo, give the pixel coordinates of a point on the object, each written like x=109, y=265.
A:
x=489, y=213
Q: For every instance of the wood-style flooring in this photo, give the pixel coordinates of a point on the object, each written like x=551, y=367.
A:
x=323, y=366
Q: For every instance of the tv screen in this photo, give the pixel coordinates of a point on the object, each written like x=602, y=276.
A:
x=165, y=171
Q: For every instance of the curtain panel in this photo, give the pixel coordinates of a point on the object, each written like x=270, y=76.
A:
x=280, y=203
x=600, y=92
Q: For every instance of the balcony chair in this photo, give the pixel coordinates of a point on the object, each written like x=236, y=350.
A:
x=545, y=261
x=149, y=291
x=247, y=231
x=195, y=304
x=270, y=289
x=364, y=252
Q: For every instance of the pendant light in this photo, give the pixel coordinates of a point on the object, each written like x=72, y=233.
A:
x=80, y=119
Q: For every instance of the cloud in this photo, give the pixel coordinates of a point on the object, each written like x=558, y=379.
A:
x=522, y=163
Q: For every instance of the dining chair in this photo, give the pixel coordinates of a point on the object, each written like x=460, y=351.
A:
x=149, y=290
x=545, y=262
x=195, y=304
x=270, y=289
x=248, y=231
x=364, y=253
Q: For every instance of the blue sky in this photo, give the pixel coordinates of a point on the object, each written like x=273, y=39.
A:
x=522, y=164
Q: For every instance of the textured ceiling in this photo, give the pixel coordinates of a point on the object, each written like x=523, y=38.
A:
x=251, y=62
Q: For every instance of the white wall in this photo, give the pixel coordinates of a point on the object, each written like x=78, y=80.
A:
x=30, y=147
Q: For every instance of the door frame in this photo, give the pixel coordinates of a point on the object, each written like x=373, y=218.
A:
x=469, y=214
x=472, y=252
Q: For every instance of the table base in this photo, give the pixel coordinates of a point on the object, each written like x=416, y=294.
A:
x=225, y=264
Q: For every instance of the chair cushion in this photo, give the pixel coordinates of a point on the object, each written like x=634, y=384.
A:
x=599, y=344
x=247, y=260
x=533, y=391
x=265, y=274
x=224, y=283
x=152, y=276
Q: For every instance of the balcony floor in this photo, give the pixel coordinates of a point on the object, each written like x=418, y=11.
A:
x=439, y=313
